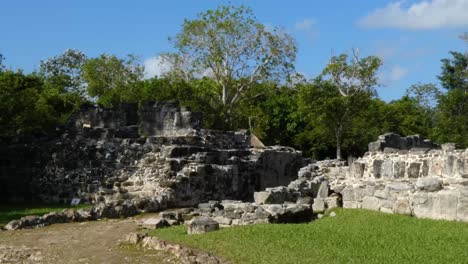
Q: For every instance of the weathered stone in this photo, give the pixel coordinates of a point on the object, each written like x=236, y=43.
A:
x=323, y=190
x=387, y=168
x=357, y=169
x=413, y=170
x=429, y=184
x=272, y=196
x=445, y=205
x=377, y=168
x=202, y=224
x=319, y=205
x=371, y=203
x=399, y=168
x=333, y=201
x=224, y=221
x=402, y=206
x=305, y=200
x=155, y=223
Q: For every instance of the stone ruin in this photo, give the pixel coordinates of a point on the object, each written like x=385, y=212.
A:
x=151, y=157
x=158, y=157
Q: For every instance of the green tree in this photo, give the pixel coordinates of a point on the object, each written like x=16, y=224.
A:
x=452, y=118
x=2, y=67
x=454, y=73
x=351, y=77
x=113, y=80
x=231, y=46
x=425, y=94
x=28, y=104
x=66, y=69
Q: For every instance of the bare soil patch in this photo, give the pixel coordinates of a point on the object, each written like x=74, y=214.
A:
x=87, y=242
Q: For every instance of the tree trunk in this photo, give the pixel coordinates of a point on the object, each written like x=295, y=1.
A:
x=338, y=143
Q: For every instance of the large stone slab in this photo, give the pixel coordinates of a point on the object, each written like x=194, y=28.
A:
x=201, y=225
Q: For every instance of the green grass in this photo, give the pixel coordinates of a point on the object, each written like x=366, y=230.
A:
x=353, y=236
x=12, y=212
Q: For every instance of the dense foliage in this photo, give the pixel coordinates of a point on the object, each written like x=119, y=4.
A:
x=338, y=110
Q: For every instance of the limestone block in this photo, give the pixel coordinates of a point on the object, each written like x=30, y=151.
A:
x=448, y=146
x=387, y=168
x=305, y=200
x=449, y=165
x=377, y=168
x=425, y=168
x=422, y=204
x=323, y=190
x=333, y=201
x=319, y=205
x=402, y=206
x=399, y=168
x=357, y=170
x=351, y=204
x=348, y=194
x=155, y=223
x=202, y=224
x=462, y=208
x=430, y=184
x=398, y=186
x=435, y=168
x=272, y=196
x=445, y=205
x=413, y=170
x=371, y=203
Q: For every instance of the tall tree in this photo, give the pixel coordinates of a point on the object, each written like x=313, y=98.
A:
x=351, y=77
x=67, y=69
x=231, y=46
x=2, y=67
x=454, y=73
x=113, y=80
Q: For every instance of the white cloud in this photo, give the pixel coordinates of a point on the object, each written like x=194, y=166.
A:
x=422, y=15
x=305, y=24
x=397, y=73
x=156, y=66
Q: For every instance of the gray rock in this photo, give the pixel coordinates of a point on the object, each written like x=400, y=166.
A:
x=333, y=201
x=305, y=200
x=223, y=220
x=155, y=223
x=371, y=203
x=319, y=205
x=323, y=190
x=332, y=214
x=202, y=224
x=430, y=184
x=272, y=196
x=402, y=206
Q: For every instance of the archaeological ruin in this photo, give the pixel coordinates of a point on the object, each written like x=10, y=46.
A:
x=157, y=156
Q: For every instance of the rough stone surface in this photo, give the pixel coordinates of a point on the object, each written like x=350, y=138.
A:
x=427, y=181
x=155, y=223
x=141, y=159
x=202, y=224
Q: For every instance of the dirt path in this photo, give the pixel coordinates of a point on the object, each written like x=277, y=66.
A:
x=88, y=242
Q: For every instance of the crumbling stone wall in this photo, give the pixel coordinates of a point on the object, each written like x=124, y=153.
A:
x=155, y=157
x=427, y=180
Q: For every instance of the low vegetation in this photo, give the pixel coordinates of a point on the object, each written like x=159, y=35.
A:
x=11, y=212
x=352, y=236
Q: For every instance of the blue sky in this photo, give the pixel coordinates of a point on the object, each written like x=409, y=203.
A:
x=411, y=36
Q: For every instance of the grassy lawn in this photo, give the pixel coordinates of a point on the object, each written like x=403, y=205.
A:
x=353, y=236
x=11, y=212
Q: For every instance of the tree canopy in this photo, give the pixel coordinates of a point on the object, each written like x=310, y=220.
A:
x=231, y=46
x=240, y=75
